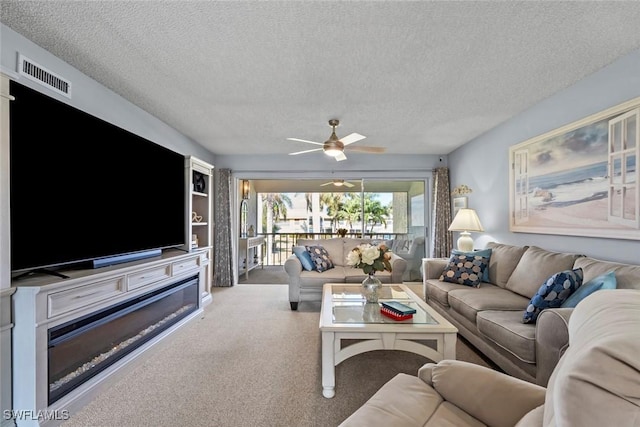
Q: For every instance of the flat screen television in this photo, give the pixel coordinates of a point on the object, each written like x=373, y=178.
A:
x=83, y=189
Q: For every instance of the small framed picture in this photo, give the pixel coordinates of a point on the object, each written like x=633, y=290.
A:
x=459, y=203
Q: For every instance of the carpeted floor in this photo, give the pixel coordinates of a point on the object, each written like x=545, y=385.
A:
x=269, y=275
x=248, y=361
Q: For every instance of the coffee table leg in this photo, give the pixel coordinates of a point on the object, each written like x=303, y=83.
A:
x=328, y=365
x=450, y=346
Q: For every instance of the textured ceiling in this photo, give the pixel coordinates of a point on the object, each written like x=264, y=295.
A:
x=414, y=77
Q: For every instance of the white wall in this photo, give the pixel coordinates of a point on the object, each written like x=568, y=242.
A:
x=317, y=165
x=482, y=164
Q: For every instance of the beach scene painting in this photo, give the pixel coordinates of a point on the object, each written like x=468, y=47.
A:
x=581, y=179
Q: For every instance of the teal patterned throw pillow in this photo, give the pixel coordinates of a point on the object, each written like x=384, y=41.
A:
x=320, y=258
x=465, y=268
x=553, y=292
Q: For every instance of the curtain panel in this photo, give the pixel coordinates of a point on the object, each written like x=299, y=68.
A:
x=222, y=241
x=442, y=238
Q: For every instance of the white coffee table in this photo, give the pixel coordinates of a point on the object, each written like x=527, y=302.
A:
x=345, y=315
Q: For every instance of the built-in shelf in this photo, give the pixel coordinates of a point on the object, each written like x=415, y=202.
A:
x=199, y=176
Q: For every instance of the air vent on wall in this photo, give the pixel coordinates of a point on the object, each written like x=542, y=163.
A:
x=38, y=73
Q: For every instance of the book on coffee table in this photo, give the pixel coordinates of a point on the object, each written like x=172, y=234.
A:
x=392, y=314
x=398, y=308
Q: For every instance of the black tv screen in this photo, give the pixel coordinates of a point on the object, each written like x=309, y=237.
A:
x=83, y=189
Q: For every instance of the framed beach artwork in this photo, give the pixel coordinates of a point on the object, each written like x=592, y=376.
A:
x=581, y=179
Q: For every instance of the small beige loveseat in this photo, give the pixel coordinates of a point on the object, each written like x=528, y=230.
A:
x=307, y=285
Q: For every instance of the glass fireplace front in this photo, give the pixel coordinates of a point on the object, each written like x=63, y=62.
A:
x=81, y=348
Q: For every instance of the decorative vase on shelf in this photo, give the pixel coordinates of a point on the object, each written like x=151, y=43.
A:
x=371, y=286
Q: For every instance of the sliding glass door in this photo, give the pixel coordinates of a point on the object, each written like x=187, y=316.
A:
x=391, y=210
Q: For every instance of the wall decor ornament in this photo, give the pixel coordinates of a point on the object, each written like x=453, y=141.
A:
x=580, y=179
x=461, y=190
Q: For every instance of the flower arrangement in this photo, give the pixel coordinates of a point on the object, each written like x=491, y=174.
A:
x=370, y=258
x=460, y=190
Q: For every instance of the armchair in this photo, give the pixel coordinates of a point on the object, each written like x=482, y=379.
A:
x=596, y=383
x=413, y=255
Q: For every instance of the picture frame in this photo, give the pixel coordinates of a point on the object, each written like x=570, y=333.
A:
x=580, y=179
x=459, y=203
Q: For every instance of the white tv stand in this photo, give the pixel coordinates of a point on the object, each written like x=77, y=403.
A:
x=43, y=302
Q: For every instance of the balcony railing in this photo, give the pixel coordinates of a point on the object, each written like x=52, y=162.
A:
x=278, y=246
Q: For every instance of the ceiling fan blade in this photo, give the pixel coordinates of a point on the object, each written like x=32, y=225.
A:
x=348, y=184
x=340, y=157
x=350, y=139
x=305, y=151
x=325, y=184
x=374, y=150
x=304, y=140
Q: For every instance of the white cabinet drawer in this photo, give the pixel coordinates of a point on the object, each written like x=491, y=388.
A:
x=72, y=299
x=145, y=277
x=185, y=265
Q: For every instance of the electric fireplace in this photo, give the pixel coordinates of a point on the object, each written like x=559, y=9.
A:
x=83, y=347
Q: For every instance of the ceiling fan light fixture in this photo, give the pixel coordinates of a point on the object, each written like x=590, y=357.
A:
x=333, y=147
x=332, y=152
x=338, y=183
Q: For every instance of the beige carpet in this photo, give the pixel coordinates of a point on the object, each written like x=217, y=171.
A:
x=269, y=275
x=249, y=361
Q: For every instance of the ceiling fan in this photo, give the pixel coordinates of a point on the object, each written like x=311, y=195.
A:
x=335, y=147
x=338, y=183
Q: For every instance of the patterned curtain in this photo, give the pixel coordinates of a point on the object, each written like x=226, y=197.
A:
x=222, y=242
x=442, y=238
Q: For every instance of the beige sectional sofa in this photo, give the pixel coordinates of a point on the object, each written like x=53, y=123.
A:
x=594, y=384
x=307, y=285
x=490, y=316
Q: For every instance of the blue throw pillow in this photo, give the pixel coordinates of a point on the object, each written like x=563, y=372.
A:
x=465, y=269
x=320, y=258
x=553, y=292
x=604, y=281
x=483, y=253
x=304, y=257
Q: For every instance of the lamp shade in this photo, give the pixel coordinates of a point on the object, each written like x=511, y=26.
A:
x=466, y=220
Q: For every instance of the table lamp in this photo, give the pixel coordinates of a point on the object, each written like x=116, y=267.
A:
x=466, y=220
